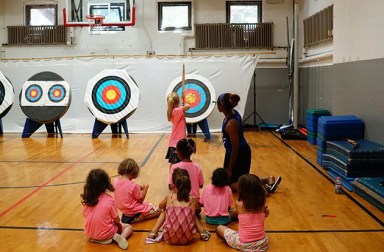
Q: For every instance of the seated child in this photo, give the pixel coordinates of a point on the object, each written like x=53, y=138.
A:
x=102, y=223
x=178, y=216
x=217, y=200
x=130, y=196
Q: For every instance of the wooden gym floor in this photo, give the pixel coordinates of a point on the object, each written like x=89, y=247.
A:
x=41, y=180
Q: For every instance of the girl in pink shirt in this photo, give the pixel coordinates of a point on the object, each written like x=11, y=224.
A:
x=176, y=115
x=217, y=200
x=252, y=211
x=184, y=150
x=102, y=223
x=130, y=196
x=178, y=217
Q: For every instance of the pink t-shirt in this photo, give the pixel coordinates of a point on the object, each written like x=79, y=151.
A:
x=127, y=196
x=216, y=200
x=251, y=227
x=179, y=126
x=195, y=175
x=98, y=219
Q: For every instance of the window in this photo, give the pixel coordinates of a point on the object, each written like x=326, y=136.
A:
x=174, y=16
x=41, y=14
x=113, y=13
x=244, y=12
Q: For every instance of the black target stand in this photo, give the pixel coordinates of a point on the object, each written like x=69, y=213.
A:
x=254, y=112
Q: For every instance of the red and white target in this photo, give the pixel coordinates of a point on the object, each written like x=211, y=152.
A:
x=112, y=95
x=199, y=94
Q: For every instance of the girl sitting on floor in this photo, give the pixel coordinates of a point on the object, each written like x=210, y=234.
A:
x=130, y=196
x=178, y=216
x=217, y=200
x=102, y=222
x=251, y=211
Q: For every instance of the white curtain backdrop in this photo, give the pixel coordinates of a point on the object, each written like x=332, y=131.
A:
x=231, y=74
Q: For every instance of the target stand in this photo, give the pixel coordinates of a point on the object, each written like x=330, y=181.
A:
x=98, y=128
x=30, y=127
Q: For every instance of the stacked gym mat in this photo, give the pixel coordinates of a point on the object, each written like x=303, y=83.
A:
x=372, y=190
x=331, y=128
x=351, y=159
x=312, y=116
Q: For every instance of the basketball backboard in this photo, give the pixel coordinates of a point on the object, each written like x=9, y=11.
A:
x=116, y=12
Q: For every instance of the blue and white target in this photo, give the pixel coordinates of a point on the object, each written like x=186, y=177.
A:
x=33, y=93
x=199, y=94
x=57, y=93
x=7, y=95
x=112, y=95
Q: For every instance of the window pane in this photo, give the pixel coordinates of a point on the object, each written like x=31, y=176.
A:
x=175, y=16
x=42, y=16
x=244, y=14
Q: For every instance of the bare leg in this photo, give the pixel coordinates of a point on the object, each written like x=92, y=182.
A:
x=159, y=223
x=127, y=230
x=220, y=231
x=147, y=217
x=198, y=225
x=204, y=234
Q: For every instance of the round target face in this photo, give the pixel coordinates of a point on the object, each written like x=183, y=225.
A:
x=198, y=93
x=57, y=93
x=33, y=93
x=45, y=97
x=112, y=95
x=7, y=95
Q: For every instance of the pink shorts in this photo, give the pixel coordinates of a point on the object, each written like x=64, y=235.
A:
x=233, y=239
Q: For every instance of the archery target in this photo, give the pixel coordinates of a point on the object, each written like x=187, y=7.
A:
x=112, y=95
x=45, y=97
x=7, y=95
x=199, y=94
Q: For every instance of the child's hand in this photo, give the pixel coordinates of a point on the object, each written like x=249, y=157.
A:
x=144, y=187
x=266, y=211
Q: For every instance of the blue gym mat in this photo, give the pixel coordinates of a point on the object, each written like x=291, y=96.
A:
x=371, y=190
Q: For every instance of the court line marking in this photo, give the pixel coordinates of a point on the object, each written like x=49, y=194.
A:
x=213, y=231
x=142, y=164
x=43, y=185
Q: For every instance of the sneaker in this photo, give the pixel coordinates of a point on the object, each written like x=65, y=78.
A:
x=275, y=185
x=123, y=243
x=104, y=242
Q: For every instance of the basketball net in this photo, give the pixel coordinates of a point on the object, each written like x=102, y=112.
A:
x=95, y=22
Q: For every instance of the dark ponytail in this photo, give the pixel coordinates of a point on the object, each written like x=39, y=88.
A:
x=180, y=179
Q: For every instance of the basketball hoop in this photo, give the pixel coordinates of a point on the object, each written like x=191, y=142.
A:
x=95, y=22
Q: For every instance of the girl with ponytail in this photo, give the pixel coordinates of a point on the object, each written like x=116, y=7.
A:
x=178, y=217
x=176, y=115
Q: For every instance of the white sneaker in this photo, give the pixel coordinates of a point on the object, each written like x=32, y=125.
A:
x=123, y=243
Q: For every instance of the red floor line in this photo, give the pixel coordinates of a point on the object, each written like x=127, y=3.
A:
x=43, y=185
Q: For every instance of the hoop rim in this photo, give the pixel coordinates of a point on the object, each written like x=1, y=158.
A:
x=95, y=17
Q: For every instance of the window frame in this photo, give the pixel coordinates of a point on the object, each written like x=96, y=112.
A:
x=29, y=7
x=172, y=28
x=250, y=3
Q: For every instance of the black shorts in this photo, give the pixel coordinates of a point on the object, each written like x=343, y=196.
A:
x=128, y=219
x=172, y=156
x=242, y=165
